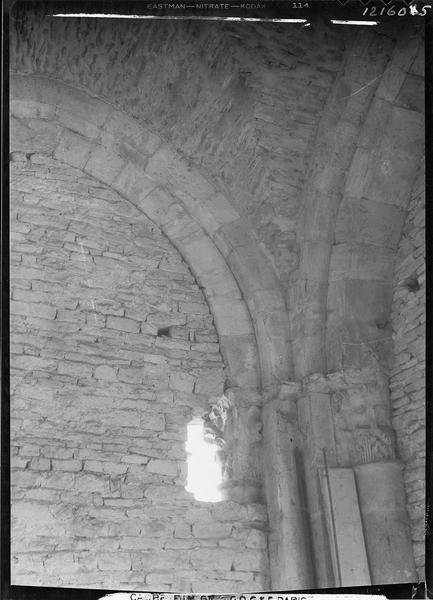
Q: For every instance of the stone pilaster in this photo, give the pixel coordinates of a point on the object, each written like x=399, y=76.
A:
x=289, y=552
x=382, y=502
x=345, y=421
x=316, y=426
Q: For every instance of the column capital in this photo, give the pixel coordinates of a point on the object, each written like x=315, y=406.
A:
x=355, y=405
x=344, y=378
x=372, y=446
x=234, y=419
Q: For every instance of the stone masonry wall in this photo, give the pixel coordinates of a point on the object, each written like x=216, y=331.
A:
x=407, y=378
x=239, y=101
x=101, y=397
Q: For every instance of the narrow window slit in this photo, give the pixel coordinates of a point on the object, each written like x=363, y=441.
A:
x=204, y=468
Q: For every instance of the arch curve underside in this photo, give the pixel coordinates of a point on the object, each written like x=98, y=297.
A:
x=50, y=117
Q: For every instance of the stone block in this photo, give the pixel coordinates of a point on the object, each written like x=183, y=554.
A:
x=35, y=518
x=128, y=130
x=257, y=512
x=221, y=559
x=210, y=268
x=156, y=204
x=182, y=544
x=87, y=482
x=104, y=164
x=33, y=363
x=105, y=372
x=73, y=149
x=57, y=481
x=123, y=324
x=194, y=308
x=367, y=221
x=107, y=467
x=20, y=137
x=40, y=464
x=252, y=269
x=232, y=235
x=133, y=183
x=182, y=530
x=63, y=563
x=215, y=530
x=141, y=543
x=272, y=329
x=152, y=421
x=43, y=495
x=182, y=382
x=205, y=348
x=161, y=578
x=178, y=225
x=130, y=154
x=256, y=539
x=215, y=212
x=19, y=462
x=406, y=131
x=114, y=561
x=361, y=261
x=194, y=515
x=31, y=109
x=67, y=465
x=240, y=356
x=163, y=467
x=31, y=309
x=28, y=87
x=249, y=560
x=163, y=559
x=229, y=511
x=368, y=301
x=70, y=316
x=391, y=82
x=83, y=106
x=77, y=124
x=74, y=369
x=168, y=165
x=376, y=125
x=385, y=175
x=210, y=383
x=231, y=316
x=136, y=459
x=130, y=375
x=28, y=450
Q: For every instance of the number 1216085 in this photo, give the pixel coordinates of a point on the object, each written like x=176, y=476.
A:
x=391, y=11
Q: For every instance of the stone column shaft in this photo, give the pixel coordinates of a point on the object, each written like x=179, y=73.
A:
x=288, y=539
x=385, y=521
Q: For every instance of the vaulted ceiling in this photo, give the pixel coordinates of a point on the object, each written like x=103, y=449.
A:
x=274, y=116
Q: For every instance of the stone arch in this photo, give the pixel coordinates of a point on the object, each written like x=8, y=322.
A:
x=354, y=200
x=357, y=185
x=239, y=283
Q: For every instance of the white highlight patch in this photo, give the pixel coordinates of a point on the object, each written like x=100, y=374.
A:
x=204, y=472
x=171, y=17
x=336, y=22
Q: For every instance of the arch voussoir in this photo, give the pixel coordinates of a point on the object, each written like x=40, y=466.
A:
x=89, y=134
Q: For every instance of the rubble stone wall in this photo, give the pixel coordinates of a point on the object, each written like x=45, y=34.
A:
x=101, y=394
x=407, y=383
x=240, y=102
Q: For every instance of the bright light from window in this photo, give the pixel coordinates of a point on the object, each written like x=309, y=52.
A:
x=204, y=471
